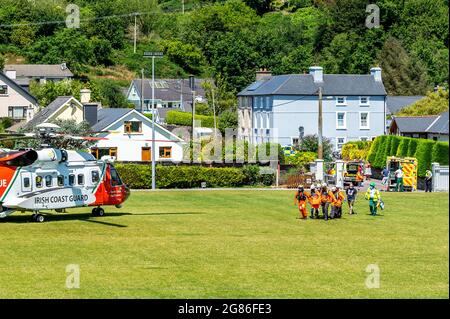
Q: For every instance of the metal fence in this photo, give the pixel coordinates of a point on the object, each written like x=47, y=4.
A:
x=440, y=178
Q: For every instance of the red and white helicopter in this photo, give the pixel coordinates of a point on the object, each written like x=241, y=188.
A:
x=56, y=179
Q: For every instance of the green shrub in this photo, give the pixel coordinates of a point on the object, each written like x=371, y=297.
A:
x=185, y=119
x=402, y=150
x=412, y=147
x=374, y=148
x=440, y=153
x=251, y=173
x=356, y=150
x=139, y=176
x=300, y=159
x=380, y=157
x=395, y=141
x=423, y=154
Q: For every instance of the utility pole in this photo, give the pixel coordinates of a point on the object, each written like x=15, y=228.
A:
x=214, y=107
x=320, y=146
x=135, y=31
x=142, y=90
x=182, y=6
x=153, y=55
x=192, y=86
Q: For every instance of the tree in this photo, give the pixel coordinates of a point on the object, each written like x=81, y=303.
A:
x=2, y=62
x=228, y=120
x=433, y=104
x=188, y=56
x=402, y=74
x=310, y=143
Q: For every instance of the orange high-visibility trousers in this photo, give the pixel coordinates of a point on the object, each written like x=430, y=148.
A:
x=302, y=208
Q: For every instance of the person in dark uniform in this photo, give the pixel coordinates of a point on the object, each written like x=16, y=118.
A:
x=351, y=197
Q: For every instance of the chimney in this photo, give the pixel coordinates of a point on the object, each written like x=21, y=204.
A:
x=262, y=73
x=376, y=73
x=85, y=96
x=90, y=113
x=317, y=73
x=64, y=66
x=12, y=74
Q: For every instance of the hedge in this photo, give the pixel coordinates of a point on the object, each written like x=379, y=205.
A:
x=185, y=119
x=402, y=150
x=423, y=154
x=440, y=153
x=139, y=176
x=425, y=151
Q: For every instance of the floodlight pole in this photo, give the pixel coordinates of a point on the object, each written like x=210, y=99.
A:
x=320, y=146
x=153, y=127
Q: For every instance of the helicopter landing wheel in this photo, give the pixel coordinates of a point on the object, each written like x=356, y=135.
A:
x=98, y=211
x=38, y=218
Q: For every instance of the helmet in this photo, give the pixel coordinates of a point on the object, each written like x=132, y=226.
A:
x=333, y=189
x=318, y=185
x=313, y=187
x=324, y=184
x=372, y=184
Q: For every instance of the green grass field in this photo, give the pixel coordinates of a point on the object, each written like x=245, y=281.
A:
x=229, y=244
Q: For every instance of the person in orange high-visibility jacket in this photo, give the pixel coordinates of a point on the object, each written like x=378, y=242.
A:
x=301, y=199
x=314, y=200
x=336, y=205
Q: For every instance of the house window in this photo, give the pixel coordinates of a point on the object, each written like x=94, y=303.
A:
x=131, y=127
x=165, y=152
x=17, y=112
x=100, y=152
x=341, y=100
x=340, y=141
x=3, y=90
x=364, y=120
x=295, y=141
x=364, y=100
x=341, y=120
x=363, y=138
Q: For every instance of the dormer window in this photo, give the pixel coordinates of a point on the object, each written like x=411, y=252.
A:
x=3, y=90
x=132, y=127
x=341, y=100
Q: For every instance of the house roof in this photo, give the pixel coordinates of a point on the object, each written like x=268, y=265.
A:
x=44, y=114
x=107, y=116
x=396, y=103
x=39, y=70
x=169, y=89
x=440, y=126
x=416, y=124
x=18, y=88
x=303, y=84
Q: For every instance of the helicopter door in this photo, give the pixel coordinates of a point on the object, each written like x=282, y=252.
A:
x=26, y=181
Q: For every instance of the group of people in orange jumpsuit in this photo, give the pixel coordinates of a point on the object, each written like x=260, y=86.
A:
x=319, y=197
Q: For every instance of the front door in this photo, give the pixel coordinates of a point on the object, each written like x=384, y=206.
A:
x=146, y=154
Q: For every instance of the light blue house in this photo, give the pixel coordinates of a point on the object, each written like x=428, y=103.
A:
x=282, y=108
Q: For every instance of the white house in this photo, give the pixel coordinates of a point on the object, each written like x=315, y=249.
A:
x=284, y=108
x=128, y=137
x=15, y=102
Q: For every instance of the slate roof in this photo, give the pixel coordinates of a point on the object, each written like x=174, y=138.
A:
x=440, y=125
x=18, y=88
x=107, y=116
x=303, y=84
x=39, y=70
x=169, y=89
x=47, y=111
x=396, y=103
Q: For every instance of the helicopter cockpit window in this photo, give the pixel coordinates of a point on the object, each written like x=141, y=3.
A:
x=95, y=177
x=26, y=182
x=60, y=180
x=71, y=179
x=48, y=181
x=115, y=179
x=38, y=181
x=80, y=179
